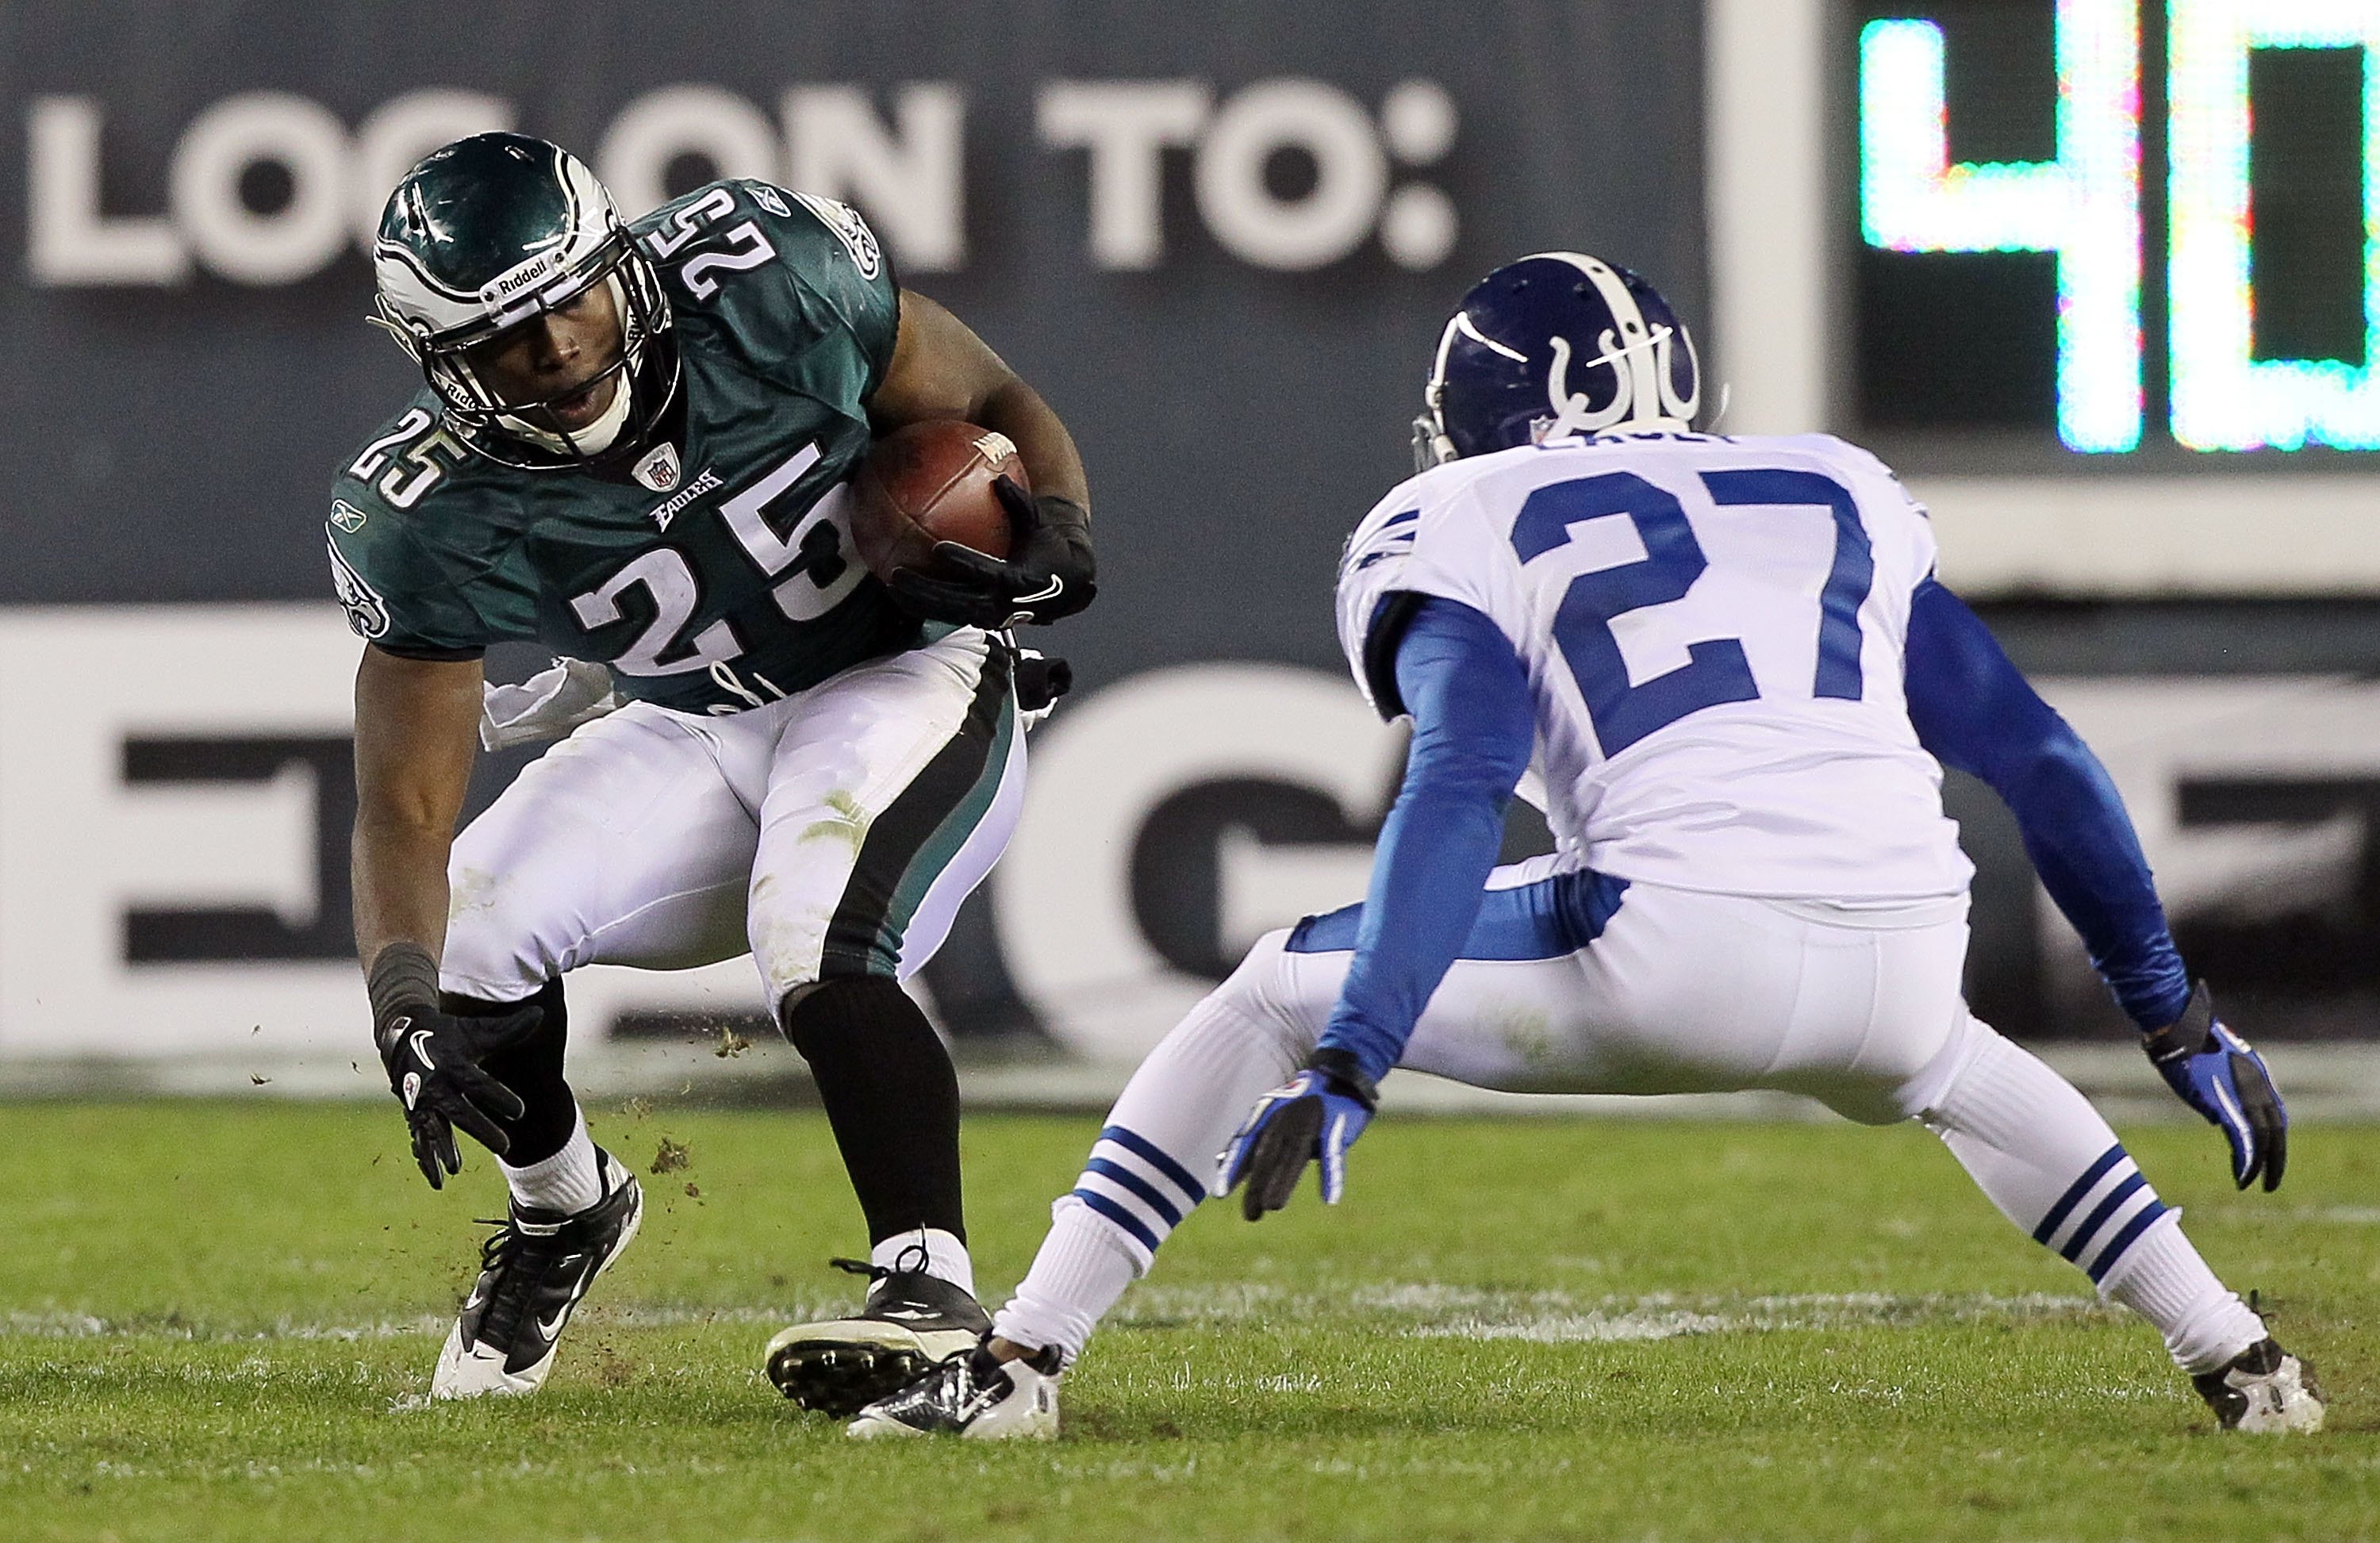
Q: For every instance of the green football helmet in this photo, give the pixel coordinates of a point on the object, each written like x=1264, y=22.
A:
x=491, y=232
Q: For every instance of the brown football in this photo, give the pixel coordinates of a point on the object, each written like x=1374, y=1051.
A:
x=929, y=482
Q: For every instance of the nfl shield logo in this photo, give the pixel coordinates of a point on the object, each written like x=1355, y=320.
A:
x=658, y=469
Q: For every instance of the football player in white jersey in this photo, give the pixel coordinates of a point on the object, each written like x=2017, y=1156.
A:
x=1728, y=666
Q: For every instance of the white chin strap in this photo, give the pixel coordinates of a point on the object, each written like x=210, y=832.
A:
x=598, y=436
x=593, y=440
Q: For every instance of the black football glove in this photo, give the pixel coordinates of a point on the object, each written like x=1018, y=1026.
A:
x=1050, y=573
x=2219, y=1074
x=433, y=1061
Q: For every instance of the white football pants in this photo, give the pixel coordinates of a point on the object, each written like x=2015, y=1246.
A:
x=1681, y=992
x=833, y=832
x=1576, y=983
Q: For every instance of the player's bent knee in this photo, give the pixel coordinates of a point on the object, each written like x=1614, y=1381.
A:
x=784, y=1008
x=511, y=978
x=1930, y=1086
x=857, y=1008
x=472, y=1004
x=806, y=993
x=1865, y=1101
x=1265, y=988
x=1902, y=1076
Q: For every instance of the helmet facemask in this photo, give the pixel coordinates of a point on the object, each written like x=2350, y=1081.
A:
x=528, y=433
x=497, y=231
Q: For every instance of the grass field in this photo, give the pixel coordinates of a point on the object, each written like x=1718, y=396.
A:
x=217, y=1322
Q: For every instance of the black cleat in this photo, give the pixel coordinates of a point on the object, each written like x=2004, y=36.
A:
x=974, y=1397
x=2263, y=1390
x=532, y=1275
x=912, y=1323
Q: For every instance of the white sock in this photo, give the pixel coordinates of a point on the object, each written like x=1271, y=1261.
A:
x=567, y=1181
x=1147, y=1170
x=2022, y=1131
x=1084, y=1265
x=930, y=1250
x=2042, y=1153
x=2052, y=1166
x=2163, y=1279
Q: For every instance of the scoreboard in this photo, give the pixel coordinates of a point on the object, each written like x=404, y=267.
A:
x=2103, y=230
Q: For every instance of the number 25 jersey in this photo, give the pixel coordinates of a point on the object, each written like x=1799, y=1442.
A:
x=727, y=578
x=1713, y=632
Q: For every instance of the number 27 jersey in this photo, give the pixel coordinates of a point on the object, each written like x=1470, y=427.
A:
x=1713, y=632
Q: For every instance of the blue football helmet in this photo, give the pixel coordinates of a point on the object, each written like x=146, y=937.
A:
x=1556, y=344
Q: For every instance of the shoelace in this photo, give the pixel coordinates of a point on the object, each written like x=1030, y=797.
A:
x=913, y=1259
x=520, y=1262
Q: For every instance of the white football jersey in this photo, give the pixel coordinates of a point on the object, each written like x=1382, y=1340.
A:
x=1713, y=629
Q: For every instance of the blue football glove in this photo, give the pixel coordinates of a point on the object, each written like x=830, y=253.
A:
x=2215, y=1072
x=1315, y=1115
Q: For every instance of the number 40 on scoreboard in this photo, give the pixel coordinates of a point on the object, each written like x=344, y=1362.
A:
x=2226, y=385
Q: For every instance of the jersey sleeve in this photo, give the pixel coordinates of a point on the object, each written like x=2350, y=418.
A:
x=1881, y=488
x=825, y=274
x=397, y=592
x=1973, y=710
x=1421, y=541
x=1474, y=731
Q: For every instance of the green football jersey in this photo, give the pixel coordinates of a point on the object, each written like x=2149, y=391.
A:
x=726, y=576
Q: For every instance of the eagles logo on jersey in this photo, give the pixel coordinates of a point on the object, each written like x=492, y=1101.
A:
x=366, y=613
x=694, y=537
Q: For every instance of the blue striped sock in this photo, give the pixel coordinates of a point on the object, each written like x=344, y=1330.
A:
x=2101, y=1214
x=1139, y=1186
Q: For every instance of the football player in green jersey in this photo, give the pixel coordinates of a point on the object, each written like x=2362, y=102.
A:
x=632, y=448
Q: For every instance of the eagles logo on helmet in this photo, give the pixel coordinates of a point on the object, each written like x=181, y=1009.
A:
x=495, y=230
x=1555, y=344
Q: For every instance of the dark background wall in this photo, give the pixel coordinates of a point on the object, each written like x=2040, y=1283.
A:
x=175, y=443
x=168, y=430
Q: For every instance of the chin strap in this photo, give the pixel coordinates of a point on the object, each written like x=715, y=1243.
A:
x=593, y=440
x=1431, y=445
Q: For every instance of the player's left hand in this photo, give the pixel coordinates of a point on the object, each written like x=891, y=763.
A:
x=2219, y=1074
x=1051, y=573
x=433, y=1068
x=1315, y=1115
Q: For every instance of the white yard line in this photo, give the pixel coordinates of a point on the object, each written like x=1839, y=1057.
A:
x=1430, y=1309
x=1426, y=1310
x=83, y=1326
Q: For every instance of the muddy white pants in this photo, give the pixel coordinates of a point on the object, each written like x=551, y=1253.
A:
x=832, y=832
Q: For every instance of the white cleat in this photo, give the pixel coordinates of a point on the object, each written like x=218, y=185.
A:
x=2264, y=1392
x=973, y=1397
x=533, y=1273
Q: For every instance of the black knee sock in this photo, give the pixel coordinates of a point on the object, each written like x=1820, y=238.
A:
x=532, y=1069
x=891, y=1096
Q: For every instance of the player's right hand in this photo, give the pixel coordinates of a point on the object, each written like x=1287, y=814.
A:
x=1314, y=1116
x=2219, y=1074
x=1050, y=573
x=433, y=1068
